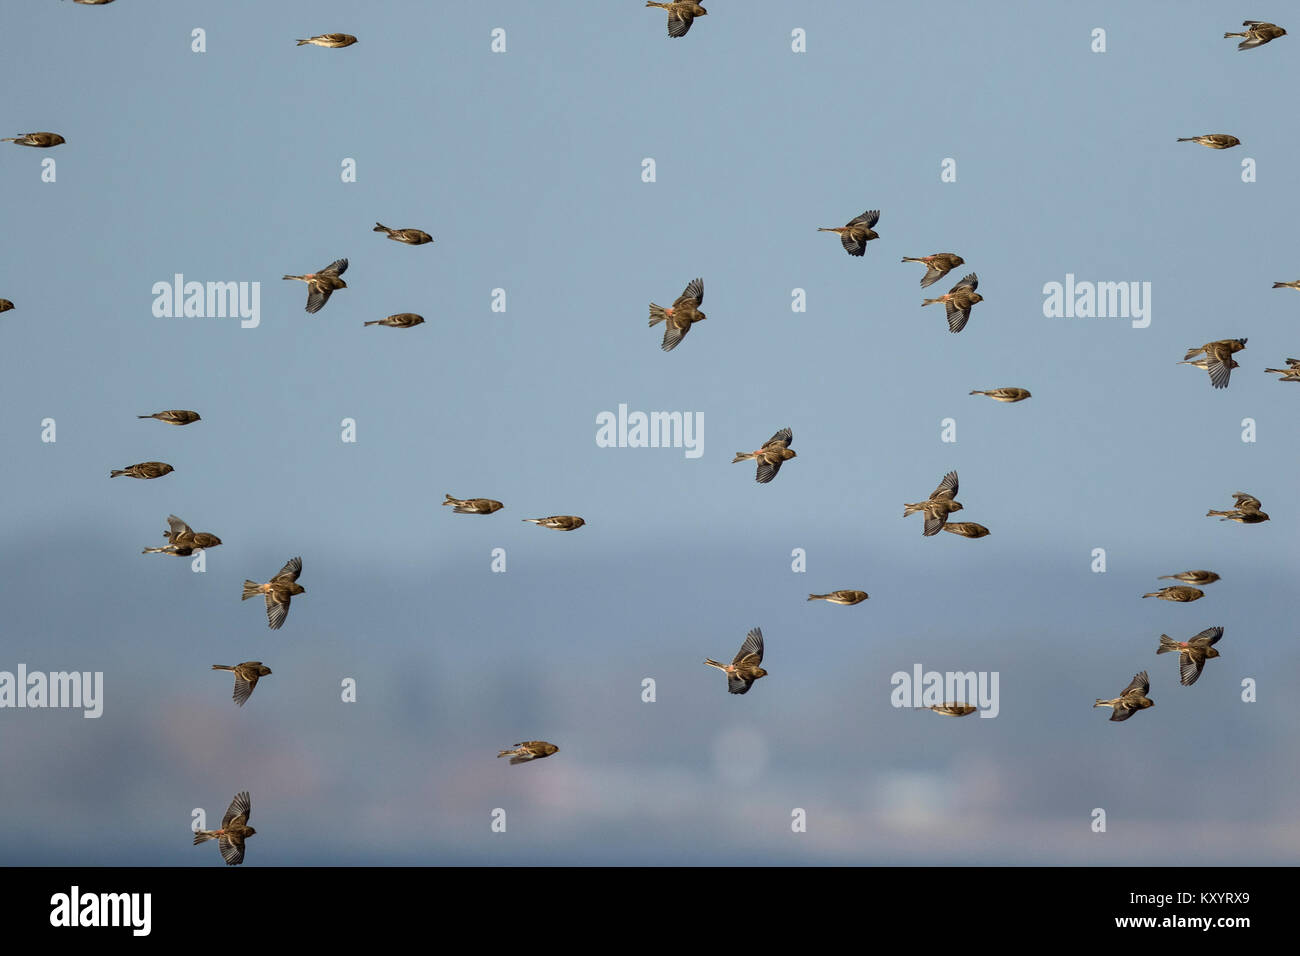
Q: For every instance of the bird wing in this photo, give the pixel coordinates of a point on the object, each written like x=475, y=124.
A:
x=1247, y=503
x=694, y=290
x=1140, y=683
x=947, y=488
x=957, y=316
x=277, y=608
x=782, y=438
x=932, y=275
x=970, y=281
x=679, y=22
x=337, y=267
x=1189, y=668
x=852, y=245
x=753, y=646
x=177, y=525
x=317, y=297
x=243, y=689
x=240, y=807
x=767, y=470
x=1208, y=637
x=868, y=219
x=673, y=334
x=292, y=568
x=231, y=852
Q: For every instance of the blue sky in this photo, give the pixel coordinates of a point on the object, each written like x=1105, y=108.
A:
x=525, y=166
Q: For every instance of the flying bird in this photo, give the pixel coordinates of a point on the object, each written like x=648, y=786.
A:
x=938, y=506
x=279, y=590
x=330, y=40
x=967, y=529
x=234, y=830
x=1218, y=359
x=936, y=266
x=529, y=750
x=1246, y=510
x=846, y=598
x=558, y=522
x=743, y=669
x=247, y=675
x=952, y=710
x=1179, y=593
x=775, y=451
x=1257, y=34
x=1289, y=374
x=321, y=285
x=182, y=540
x=1212, y=140
x=1007, y=394
x=1191, y=577
x=474, y=506
x=174, y=416
x=145, y=469
x=1132, y=699
x=683, y=313
x=1192, y=654
x=402, y=320
x=958, y=301
x=857, y=232
x=39, y=140
x=412, y=237
x=680, y=15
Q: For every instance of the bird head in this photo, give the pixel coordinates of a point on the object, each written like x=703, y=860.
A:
x=701, y=315
x=263, y=671
x=341, y=283
x=700, y=11
x=759, y=672
x=958, y=261
x=789, y=453
x=955, y=506
x=58, y=139
x=1146, y=702
x=976, y=297
x=250, y=832
x=296, y=588
x=1212, y=652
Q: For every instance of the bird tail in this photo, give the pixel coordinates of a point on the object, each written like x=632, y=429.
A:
x=913, y=508
x=818, y=597
x=1280, y=371
x=507, y=753
x=652, y=3
x=377, y=322
x=911, y=259
x=1191, y=353
x=1279, y=285
x=742, y=456
x=978, y=392
x=1187, y=139
x=303, y=278
x=534, y=520
x=657, y=314
x=380, y=227
x=1102, y=703
x=202, y=836
x=222, y=667
x=1212, y=513
x=144, y=416
x=1167, y=644
x=1152, y=594
x=251, y=589
x=1227, y=35
x=14, y=139
x=119, y=471
x=925, y=302
x=451, y=501
x=301, y=42
x=712, y=663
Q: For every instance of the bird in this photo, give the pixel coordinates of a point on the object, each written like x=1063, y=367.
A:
x=5, y=305
x=680, y=15
x=559, y=522
x=473, y=506
x=529, y=750
x=402, y=320
x=937, y=266
x=247, y=675
x=320, y=285
x=958, y=301
x=775, y=451
x=38, y=140
x=1213, y=140
x=1246, y=510
x=1192, y=653
x=182, y=540
x=938, y=506
x=1007, y=393
x=967, y=529
x=1191, y=577
x=1289, y=374
x=331, y=40
x=857, y=232
x=1132, y=699
x=743, y=669
x=175, y=416
x=412, y=237
x=1179, y=593
x=1218, y=356
x=846, y=598
x=952, y=710
x=1257, y=34
x=279, y=590
x=683, y=313
x=145, y=469
x=234, y=830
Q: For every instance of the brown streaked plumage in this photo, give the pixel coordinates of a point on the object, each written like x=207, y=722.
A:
x=1213, y=140
x=175, y=416
x=846, y=598
x=938, y=506
x=1289, y=374
x=321, y=285
x=775, y=452
x=1257, y=34
x=1246, y=510
x=529, y=750
x=958, y=301
x=559, y=522
x=1218, y=359
x=473, y=506
x=1191, y=577
x=857, y=232
x=743, y=669
x=144, y=469
x=680, y=15
x=1008, y=393
x=5, y=305
x=1179, y=593
x=937, y=266
x=1192, y=653
x=967, y=529
x=411, y=237
x=332, y=41
x=402, y=320
x=279, y=590
x=247, y=675
x=182, y=540
x=681, y=315
x=1132, y=699
x=38, y=140
x=234, y=830
x=953, y=709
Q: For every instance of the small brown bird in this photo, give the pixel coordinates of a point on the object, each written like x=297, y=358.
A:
x=938, y=506
x=953, y=710
x=936, y=266
x=1289, y=374
x=558, y=522
x=278, y=592
x=247, y=675
x=402, y=320
x=1132, y=699
x=1257, y=34
x=680, y=15
x=1212, y=140
x=5, y=305
x=1191, y=577
x=1192, y=654
x=1006, y=394
x=775, y=451
x=1246, y=510
x=321, y=285
x=743, y=669
x=529, y=750
x=234, y=830
x=857, y=232
x=1178, y=592
x=331, y=40
x=967, y=529
x=174, y=416
x=473, y=506
x=182, y=540
x=958, y=301
x=846, y=598
x=412, y=237
x=145, y=469
x=1218, y=356
x=39, y=140
x=683, y=313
